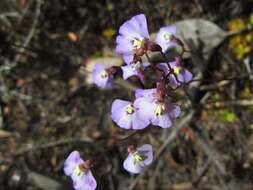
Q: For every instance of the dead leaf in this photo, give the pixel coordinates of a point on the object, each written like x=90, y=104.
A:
x=44, y=182
x=204, y=34
x=5, y=134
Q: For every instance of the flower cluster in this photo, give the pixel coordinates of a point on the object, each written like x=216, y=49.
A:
x=151, y=106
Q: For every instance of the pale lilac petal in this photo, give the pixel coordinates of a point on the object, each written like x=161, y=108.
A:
x=163, y=67
x=140, y=93
x=71, y=162
x=127, y=121
x=147, y=149
x=130, y=70
x=129, y=32
x=139, y=122
x=173, y=81
x=163, y=120
x=102, y=82
x=173, y=110
x=119, y=114
x=165, y=44
x=124, y=46
x=85, y=182
x=128, y=58
x=173, y=64
x=185, y=76
x=130, y=166
x=145, y=107
x=142, y=22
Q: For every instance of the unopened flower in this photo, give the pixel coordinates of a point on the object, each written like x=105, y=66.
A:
x=102, y=77
x=156, y=108
x=138, y=158
x=79, y=171
x=165, y=37
x=181, y=75
x=131, y=38
x=127, y=116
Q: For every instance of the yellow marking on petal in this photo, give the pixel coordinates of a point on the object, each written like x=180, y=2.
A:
x=177, y=70
x=104, y=74
x=137, y=158
x=167, y=36
x=159, y=109
x=130, y=109
x=78, y=172
x=137, y=43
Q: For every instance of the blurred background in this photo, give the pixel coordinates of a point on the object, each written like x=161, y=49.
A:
x=48, y=106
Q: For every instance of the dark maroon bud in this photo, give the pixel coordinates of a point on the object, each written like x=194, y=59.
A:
x=178, y=60
x=131, y=149
x=136, y=58
x=152, y=46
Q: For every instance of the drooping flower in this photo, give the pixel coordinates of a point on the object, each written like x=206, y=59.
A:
x=182, y=74
x=79, y=171
x=127, y=116
x=102, y=77
x=165, y=37
x=138, y=158
x=133, y=69
x=131, y=38
x=156, y=108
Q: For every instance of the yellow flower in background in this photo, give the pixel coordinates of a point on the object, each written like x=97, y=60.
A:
x=109, y=33
x=236, y=24
x=251, y=19
x=240, y=44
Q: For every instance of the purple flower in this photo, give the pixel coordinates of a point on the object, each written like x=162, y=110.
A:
x=79, y=171
x=127, y=116
x=133, y=69
x=131, y=37
x=159, y=112
x=102, y=77
x=138, y=158
x=165, y=37
x=183, y=75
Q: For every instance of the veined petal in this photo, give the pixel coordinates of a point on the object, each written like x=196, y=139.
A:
x=148, y=93
x=147, y=149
